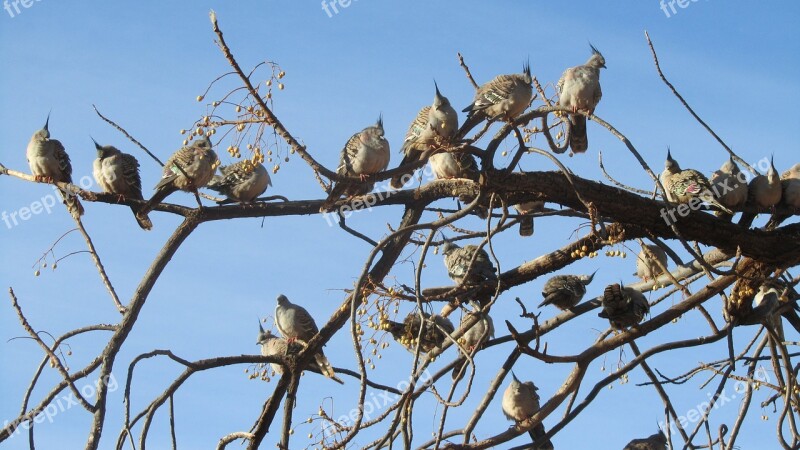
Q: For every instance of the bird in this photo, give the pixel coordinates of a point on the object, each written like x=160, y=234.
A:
x=481, y=331
x=118, y=173
x=295, y=323
x=272, y=345
x=449, y=165
x=504, y=97
x=434, y=125
x=623, y=306
x=365, y=153
x=407, y=333
x=457, y=261
x=579, y=89
x=49, y=162
x=656, y=441
x=188, y=169
x=526, y=222
x=790, y=198
x=683, y=185
x=520, y=402
x=243, y=181
x=647, y=267
x=565, y=291
x=730, y=187
x=763, y=192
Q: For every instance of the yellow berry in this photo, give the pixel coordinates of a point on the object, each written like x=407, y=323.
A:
x=199, y=98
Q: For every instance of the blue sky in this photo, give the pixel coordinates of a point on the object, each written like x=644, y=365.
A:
x=144, y=65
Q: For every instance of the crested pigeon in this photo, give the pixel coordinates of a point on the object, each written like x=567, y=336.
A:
x=520, y=402
x=684, y=185
x=656, y=441
x=242, y=181
x=480, y=332
x=565, y=291
x=730, y=187
x=504, y=97
x=272, y=345
x=295, y=323
x=526, y=222
x=118, y=173
x=764, y=192
x=365, y=153
x=647, y=267
x=49, y=162
x=457, y=261
x=579, y=89
x=188, y=169
x=435, y=329
x=790, y=198
x=624, y=307
x=434, y=125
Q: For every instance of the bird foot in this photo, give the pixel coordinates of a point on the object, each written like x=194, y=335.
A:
x=43, y=179
x=363, y=177
x=120, y=198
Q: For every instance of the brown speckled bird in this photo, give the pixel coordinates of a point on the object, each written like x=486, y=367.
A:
x=624, y=307
x=118, y=173
x=579, y=89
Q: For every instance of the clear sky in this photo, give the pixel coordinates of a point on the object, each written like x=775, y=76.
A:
x=142, y=64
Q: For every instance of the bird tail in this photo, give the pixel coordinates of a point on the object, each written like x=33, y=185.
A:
x=336, y=193
x=460, y=369
x=411, y=156
x=747, y=219
x=216, y=183
x=719, y=205
x=776, y=220
x=578, y=140
x=539, y=442
x=73, y=204
x=526, y=226
x=325, y=367
x=159, y=196
x=473, y=119
x=143, y=221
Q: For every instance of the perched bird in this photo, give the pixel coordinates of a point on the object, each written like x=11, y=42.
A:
x=504, y=97
x=188, y=169
x=457, y=261
x=365, y=153
x=623, y=306
x=764, y=192
x=729, y=187
x=565, y=291
x=657, y=441
x=526, y=222
x=273, y=345
x=435, y=329
x=480, y=332
x=242, y=181
x=49, y=162
x=684, y=185
x=434, y=125
x=520, y=402
x=579, y=89
x=295, y=323
x=647, y=267
x=447, y=165
x=790, y=198
x=118, y=173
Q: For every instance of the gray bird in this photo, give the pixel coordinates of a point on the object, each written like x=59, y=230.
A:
x=480, y=332
x=520, y=402
x=623, y=306
x=272, y=345
x=49, y=162
x=729, y=187
x=118, y=173
x=657, y=441
x=790, y=198
x=365, y=153
x=764, y=192
x=646, y=266
x=449, y=165
x=295, y=323
x=434, y=125
x=526, y=222
x=457, y=261
x=197, y=161
x=579, y=89
x=684, y=185
x=434, y=334
x=242, y=181
x=565, y=291
x=504, y=97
